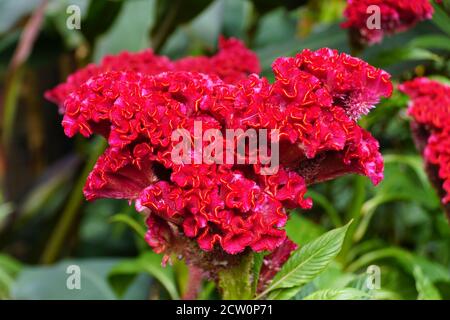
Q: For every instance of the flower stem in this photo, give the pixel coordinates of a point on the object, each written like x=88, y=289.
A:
x=194, y=283
x=235, y=282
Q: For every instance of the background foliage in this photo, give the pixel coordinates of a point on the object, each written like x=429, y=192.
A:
x=46, y=225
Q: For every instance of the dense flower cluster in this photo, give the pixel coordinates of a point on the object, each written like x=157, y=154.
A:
x=395, y=16
x=232, y=63
x=430, y=108
x=314, y=103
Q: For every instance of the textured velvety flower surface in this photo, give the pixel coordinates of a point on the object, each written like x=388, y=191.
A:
x=313, y=103
x=232, y=63
x=430, y=108
x=395, y=16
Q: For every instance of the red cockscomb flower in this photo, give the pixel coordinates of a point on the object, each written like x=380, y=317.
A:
x=430, y=109
x=395, y=16
x=227, y=206
x=232, y=63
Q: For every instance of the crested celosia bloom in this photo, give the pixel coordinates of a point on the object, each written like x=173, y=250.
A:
x=232, y=63
x=395, y=16
x=430, y=109
x=136, y=104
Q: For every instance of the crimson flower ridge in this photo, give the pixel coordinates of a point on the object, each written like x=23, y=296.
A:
x=430, y=110
x=232, y=63
x=314, y=103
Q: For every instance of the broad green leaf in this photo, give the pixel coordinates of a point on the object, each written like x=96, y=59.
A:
x=302, y=230
x=50, y=282
x=207, y=26
x=401, y=54
x=284, y=294
x=236, y=18
x=441, y=19
x=333, y=277
x=9, y=264
x=130, y=31
x=122, y=274
x=207, y=291
x=172, y=13
x=9, y=268
x=434, y=41
x=13, y=10
x=425, y=288
x=329, y=36
x=308, y=261
x=338, y=294
x=274, y=28
x=100, y=16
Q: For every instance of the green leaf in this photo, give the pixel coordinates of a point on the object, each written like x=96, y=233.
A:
x=207, y=291
x=124, y=272
x=434, y=41
x=401, y=54
x=13, y=10
x=329, y=36
x=9, y=268
x=441, y=19
x=172, y=13
x=133, y=224
x=425, y=288
x=9, y=264
x=308, y=261
x=302, y=230
x=101, y=14
x=236, y=18
x=130, y=31
x=338, y=294
x=284, y=294
x=50, y=282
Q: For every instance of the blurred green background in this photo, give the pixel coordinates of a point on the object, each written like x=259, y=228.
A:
x=46, y=225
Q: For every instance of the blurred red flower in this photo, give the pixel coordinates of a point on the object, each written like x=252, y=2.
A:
x=394, y=16
x=430, y=109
